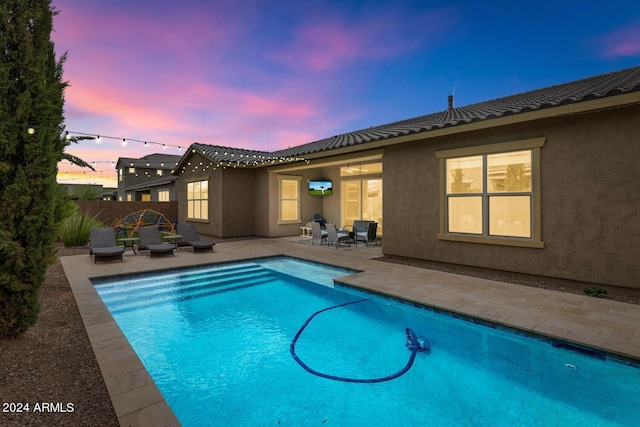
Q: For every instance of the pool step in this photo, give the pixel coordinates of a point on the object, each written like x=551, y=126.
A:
x=141, y=294
x=136, y=285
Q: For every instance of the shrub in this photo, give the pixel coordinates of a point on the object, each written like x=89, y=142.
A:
x=64, y=206
x=76, y=228
x=85, y=192
x=596, y=291
x=31, y=95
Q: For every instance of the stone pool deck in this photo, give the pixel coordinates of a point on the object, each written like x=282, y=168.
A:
x=611, y=326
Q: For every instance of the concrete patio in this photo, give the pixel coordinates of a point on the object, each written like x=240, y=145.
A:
x=603, y=324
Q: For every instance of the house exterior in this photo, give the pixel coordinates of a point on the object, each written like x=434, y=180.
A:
x=147, y=179
x=544, y=182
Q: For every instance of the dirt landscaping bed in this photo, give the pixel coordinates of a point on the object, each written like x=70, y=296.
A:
x=52, y=367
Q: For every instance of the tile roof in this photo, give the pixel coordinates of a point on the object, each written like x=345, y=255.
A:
x=154, y=160
x=602, y=86
x=158, y=182
x=230, y=156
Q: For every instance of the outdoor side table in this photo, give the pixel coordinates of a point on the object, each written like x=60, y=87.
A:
x=129, y=242
x=306, y=231
x=173, y=238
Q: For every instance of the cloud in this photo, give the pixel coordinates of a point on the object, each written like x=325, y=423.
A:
x=624, y=42
x=198, y=74
x=334, y=41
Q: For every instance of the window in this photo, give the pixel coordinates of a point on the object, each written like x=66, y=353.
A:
x=198, y=200
x=120, y=174
x=491, y=194
x=163, y=195
x=159, y=172
x=289, y=207
x=363, y=169
x=132, y=170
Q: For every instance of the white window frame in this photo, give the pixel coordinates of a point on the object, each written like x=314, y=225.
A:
x=281, y=180
x=535, y=241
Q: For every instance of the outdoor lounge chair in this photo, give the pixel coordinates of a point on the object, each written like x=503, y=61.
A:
x=317, y=233
x=368, y=236
x=190, y=238
x=103, y=244
x=151, y=240
x=336, y=237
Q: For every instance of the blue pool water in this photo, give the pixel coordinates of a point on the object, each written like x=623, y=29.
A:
x=216, y=340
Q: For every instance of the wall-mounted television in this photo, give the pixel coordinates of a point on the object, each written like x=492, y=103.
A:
x=320, y=187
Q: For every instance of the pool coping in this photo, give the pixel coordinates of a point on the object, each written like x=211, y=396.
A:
x=605, y=325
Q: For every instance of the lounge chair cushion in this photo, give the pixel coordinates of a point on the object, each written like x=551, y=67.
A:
x=190, y=238
x=151, y=240
x=103, y=244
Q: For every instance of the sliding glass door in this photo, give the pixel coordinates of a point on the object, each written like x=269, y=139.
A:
x=362, y=199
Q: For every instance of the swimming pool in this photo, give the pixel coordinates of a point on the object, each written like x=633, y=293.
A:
x=217, y=342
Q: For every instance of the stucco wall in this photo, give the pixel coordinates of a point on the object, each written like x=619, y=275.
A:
x=231, y=199
x=237, y=204
x=213, y=225
x=309, y=205
x=590, y=181
x=261, y=203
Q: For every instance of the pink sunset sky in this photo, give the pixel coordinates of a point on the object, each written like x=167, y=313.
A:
x=267, y=75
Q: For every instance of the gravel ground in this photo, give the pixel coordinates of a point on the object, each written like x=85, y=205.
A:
x=52, y=367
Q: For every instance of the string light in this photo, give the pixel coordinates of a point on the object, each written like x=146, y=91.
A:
x=69, y=134
x=258, y=159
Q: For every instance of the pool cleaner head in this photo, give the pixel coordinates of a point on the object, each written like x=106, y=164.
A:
x=420, y=344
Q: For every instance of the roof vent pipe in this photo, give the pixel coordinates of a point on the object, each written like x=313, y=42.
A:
x=450, y=99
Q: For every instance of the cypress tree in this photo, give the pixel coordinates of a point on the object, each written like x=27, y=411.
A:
x=31, y=96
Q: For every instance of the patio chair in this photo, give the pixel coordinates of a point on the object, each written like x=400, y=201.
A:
x=151, y=240
x=336, y=237
x=317, y=233
x=191, y=239
x=103, y=244
x=369, y=236
x=319, y=219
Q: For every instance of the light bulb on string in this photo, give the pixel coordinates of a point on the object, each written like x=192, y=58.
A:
x=98, y=139
x=67, y=136
x=31, y=131
x=124, y=142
